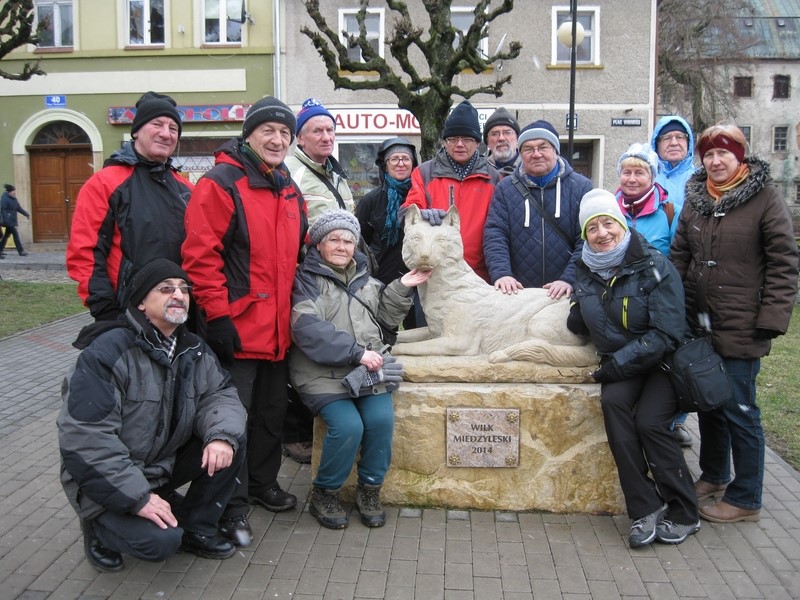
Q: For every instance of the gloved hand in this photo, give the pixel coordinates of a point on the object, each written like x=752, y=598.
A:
x=360, y=381
x=433, y=216
x=766, y=334
x=224, y=340
x=607, y=373
x=575, y=322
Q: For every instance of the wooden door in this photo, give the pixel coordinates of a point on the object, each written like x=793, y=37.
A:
x=56, y=177
x=582, y=157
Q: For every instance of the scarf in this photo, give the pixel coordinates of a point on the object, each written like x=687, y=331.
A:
x=716, y=191
x=397, y=194
x=545, y=179
x=463, y=170
x=633, y=205
x=606, y=264
x=278, y=177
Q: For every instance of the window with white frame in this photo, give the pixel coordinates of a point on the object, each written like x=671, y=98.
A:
x=373, y=23
x=588, y=51
x=54, y=23
x=747, y=131
x=780, y=139
x=462, y=19
x=222, y=21
x=145, y=22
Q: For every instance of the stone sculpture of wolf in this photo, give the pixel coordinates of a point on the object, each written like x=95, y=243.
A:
x=467, y=316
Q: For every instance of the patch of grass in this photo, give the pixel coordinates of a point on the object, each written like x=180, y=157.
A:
x=25, y=305
x=777, y=387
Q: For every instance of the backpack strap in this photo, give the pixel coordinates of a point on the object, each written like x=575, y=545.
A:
x=669, y=210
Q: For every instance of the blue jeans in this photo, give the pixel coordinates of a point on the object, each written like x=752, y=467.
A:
x=366, y=423
x=735, y=428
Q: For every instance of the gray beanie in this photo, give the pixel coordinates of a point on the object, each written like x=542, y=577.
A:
x=268, y=110
x=331, y=220
x=540, y=130
x=644, y=153
x=498, y=118
x=596, y=203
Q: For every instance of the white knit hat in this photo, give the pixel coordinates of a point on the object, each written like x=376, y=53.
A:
x=644, y=153
x=599, y=202
x=331, y=220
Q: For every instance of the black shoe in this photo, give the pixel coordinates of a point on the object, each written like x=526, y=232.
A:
x=100, y=557
x=23, y=253
x=237, y=529
x=207, y=546
x=275, y=499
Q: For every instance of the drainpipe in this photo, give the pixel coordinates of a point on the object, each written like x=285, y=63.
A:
x=276, y=61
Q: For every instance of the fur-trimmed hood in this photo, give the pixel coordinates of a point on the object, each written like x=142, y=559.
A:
x=701, y=202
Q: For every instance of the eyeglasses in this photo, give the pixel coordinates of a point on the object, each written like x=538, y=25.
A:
x=396, y=160
x=673, y=137
x=168, y=290
x=496, y=133
x=456, y=139
x=543, y=149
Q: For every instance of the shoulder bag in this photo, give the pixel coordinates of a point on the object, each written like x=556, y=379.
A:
x=698, y=375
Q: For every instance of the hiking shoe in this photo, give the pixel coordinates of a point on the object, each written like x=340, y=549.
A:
x=368, y=503
x=668, y=532
x=237, y=529
x=275, y=499
x=682, y=435
x=299, y=451
x=643, y=530
x=327, y=508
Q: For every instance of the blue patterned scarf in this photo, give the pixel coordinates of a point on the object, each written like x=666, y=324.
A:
x=463, y=170
x=606, y=264
x=397, y=194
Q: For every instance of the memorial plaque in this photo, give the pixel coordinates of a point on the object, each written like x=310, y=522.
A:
x=482, y=437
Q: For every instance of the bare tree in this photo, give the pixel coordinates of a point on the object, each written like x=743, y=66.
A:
x=16, y=29
x=698, y=43
x=427, y=94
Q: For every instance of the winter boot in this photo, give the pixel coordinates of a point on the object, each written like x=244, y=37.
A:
x=327, y=508
x=368, y=503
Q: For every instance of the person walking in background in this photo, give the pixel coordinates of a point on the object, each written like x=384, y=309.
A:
x=337, y=309
x=736, y=253
x=131, y=211
x=533, y=236
x=673, y=141
x=500, y=136
x=147, y=409
x=458, y=175
x=244, y=228
x=377, y=212
x=628, y=299
x=9, y=207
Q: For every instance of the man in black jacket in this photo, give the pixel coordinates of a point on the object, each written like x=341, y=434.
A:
x=147, y=408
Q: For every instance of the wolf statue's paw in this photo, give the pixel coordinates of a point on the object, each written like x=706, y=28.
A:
x=499, y=356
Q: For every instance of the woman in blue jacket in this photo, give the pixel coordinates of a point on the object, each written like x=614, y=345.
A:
x=9, y=205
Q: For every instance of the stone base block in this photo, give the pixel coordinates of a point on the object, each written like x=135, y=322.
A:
x=565, y=465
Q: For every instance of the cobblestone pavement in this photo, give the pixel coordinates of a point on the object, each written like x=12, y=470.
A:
x=420, y=554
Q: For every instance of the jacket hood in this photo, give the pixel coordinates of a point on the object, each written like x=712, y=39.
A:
x=380, y=160
x=665, y=166
x=701, y=202
x=127, y=155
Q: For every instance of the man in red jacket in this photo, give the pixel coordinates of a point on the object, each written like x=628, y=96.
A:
x=131, y=211
x=458, y=175
x=244, y=228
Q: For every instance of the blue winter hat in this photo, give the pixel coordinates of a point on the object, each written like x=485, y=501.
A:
x=540, y=130
x=644, y=153
x=312, y=108
x=674, y=125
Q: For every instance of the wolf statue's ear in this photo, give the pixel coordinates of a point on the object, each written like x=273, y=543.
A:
x=452, y=217
x=412, y=215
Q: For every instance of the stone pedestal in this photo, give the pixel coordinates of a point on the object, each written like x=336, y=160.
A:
x=565, y=465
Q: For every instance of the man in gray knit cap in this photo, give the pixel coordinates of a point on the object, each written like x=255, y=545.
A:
x=244, y=228
x=500, y=136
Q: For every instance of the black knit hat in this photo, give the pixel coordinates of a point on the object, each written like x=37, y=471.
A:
x=146, y=278
x=152, y=105
x=499, y=117
x=268, y=110
x=9, y=187
x=463, y=121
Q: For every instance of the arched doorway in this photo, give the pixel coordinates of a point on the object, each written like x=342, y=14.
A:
x=60, y=163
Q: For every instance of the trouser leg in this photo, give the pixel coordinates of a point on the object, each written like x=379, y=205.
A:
x=243, y=374
x=265, y=424
x=341, y=443
x=137, y=536
x=298, y=426
x=377, y=415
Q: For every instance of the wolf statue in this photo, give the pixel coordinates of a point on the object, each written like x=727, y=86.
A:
x=468, y=317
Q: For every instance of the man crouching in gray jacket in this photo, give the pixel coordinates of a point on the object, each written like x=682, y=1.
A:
x=147, y=408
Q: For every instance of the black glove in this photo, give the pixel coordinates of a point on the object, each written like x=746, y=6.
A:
x=766, y=334
x=223, y=338
x=433, y=216
x=575, y=322
x=607, y=373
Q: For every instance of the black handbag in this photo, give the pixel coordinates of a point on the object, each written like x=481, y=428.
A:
x=698, y=375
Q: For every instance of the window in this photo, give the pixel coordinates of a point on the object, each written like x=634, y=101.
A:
x=196, y=155
x=462, y=19
x=373, y=22
x=746, y=131
x=797, y=193
x=145, y=22
x=54, y=19
x=780, y=86
x=780, y=139
x=588, y=51
x=743, y=87
x=222, y=21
